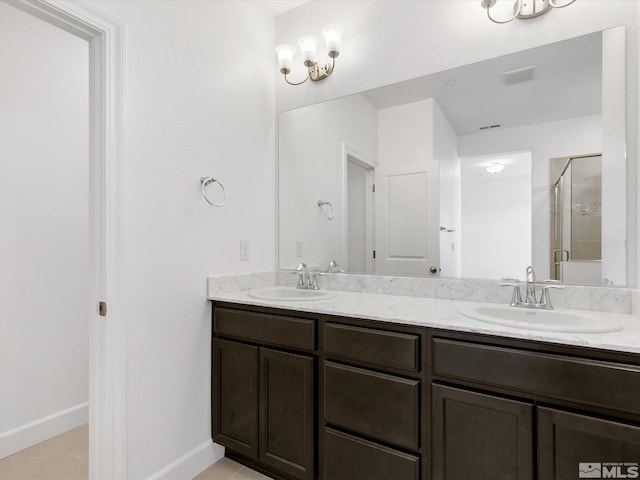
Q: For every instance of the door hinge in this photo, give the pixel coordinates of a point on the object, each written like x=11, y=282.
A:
x=374, y=254
x=373, y=188
x=102, y=309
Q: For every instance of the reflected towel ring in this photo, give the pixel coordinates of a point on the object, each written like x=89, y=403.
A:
x=323, y=205
x=206, y=181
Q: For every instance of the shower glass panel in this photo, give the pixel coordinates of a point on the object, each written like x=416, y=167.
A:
x=576, y=205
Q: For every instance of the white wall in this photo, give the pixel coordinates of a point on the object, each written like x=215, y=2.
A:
x=496, y=217
x=44, y=239
x=312, y=168
x=386, y=42
x=545, y=141
x=199, y=100
x=445, y=151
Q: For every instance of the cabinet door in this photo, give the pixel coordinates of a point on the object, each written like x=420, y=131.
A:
x=286, y=412
x=234, y=381
x=574, y=446
x=481, y=437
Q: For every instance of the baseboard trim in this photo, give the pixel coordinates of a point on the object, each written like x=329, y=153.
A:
x=27, y=435
x=191, y=464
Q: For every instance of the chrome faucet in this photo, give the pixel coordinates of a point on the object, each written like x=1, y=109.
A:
x=530, y=295
x=303, y=275
x=307, y=279
x=333, y=267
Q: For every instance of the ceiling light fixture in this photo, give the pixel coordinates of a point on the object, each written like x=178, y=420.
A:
x=525, y=9
x=316, y=70
x=495, y=167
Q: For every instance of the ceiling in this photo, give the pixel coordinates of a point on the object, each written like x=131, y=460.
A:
x=276, y=7
x=567, y=84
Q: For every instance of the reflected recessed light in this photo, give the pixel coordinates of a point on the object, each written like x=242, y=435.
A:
x=495, y=167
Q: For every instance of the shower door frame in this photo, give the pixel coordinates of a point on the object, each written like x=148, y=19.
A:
x=107, y=350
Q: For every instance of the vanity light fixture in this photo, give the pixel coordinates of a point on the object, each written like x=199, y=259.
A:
x=525, y=9
x=316, y=70
x=495, y=167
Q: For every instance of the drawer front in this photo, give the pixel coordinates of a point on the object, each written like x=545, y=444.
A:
x=381, y=406
x=264, y=328
x=591, y=382
x=377, y=347
x=351, y=458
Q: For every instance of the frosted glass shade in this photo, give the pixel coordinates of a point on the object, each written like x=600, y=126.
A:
x=308, y=47
x=285, y=57
x=332, y=36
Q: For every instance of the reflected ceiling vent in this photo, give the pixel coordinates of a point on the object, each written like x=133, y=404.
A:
x=520, y=75
x=489, y=127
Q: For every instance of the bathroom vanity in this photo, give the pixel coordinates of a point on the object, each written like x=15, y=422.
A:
x=305, y=391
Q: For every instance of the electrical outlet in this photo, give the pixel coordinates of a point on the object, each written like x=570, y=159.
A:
x=245, y=252
x=298, y=248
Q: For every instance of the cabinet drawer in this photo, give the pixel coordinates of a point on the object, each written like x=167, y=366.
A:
x=264, y=328
x=591, y=382
x=377, y=347
x=351, y=458
x=381, y=406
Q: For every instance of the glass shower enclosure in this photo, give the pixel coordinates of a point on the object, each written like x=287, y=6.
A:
x=576, y=219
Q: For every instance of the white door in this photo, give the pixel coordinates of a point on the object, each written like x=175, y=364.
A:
x=407, y=214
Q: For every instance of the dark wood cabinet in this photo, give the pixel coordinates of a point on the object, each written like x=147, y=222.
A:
x=286, y=412
x=235, y=389
x=347, y=457
x=301, y=396
x=574, y=446
x=373, y=401
x=378, y=405
x=263, y=399
x=479, y=436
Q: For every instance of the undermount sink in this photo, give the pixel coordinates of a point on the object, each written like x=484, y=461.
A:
x=290, y=294
x=532, y=319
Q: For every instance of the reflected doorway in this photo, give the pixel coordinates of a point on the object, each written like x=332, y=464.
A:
x=359, y=221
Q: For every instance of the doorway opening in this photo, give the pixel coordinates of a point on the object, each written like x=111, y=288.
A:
x=358, y=222
x=107, y=336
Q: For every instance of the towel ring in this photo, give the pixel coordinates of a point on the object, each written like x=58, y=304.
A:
x=206, y=181
x=323, y=205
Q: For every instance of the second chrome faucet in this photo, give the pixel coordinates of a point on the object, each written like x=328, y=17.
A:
x=530, y=300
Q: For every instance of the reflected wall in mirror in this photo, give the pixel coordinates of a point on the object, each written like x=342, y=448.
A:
x=405, y=166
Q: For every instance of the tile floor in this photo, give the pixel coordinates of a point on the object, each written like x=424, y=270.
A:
x=226, y=469
x=65, y=457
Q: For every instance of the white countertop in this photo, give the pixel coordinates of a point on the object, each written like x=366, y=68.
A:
x=445, y=314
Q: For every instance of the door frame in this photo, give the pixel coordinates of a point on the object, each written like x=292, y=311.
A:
x=349, y=153
x=107, y=342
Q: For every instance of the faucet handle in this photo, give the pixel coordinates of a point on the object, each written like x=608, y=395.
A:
x=516, y=298
x=545, y=300
x=302, y=272
x=313, y=279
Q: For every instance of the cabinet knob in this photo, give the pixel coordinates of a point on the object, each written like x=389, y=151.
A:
x=434, y=270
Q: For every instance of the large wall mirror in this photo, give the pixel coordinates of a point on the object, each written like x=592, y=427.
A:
x=466, y=172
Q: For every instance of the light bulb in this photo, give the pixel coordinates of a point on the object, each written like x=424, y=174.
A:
x=285, y=57
x=332, y=36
